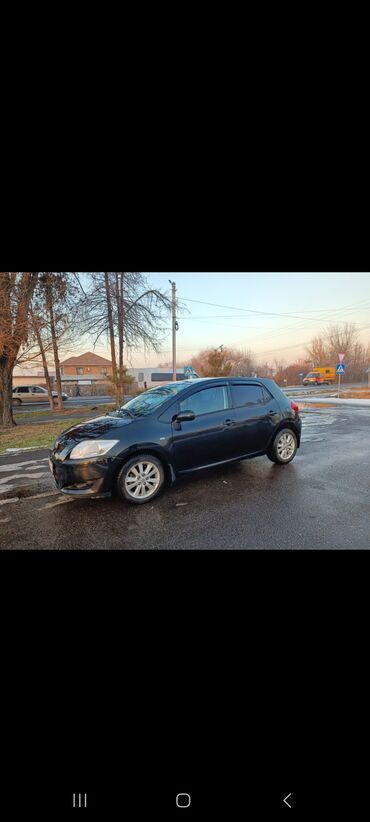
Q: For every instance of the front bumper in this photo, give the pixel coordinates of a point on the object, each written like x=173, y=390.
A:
x=82, y=478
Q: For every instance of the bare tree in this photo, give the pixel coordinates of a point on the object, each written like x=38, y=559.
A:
x=16, y=289
x=121, y=307
x=240, y=362
x=52, y=328
x=318, y=351
x=36, y=326
x=55, y=287
x=243, y=362
x=289, y=374
x=323, y=350
x=341, y=338
x=266, y=369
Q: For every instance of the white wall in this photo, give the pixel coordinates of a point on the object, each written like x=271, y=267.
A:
x=147, y=372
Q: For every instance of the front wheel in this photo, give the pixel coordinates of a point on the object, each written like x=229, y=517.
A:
x=140, y=479
x=284, y=447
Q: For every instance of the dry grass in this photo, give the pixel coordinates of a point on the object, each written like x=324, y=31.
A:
x=36, y=436
x=43, y=435
x=67, y=412
x=361, y=394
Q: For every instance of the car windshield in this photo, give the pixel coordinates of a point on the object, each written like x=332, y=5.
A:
x=150, y=400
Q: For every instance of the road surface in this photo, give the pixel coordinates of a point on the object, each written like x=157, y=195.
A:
x=72, y=402
x=320, y=500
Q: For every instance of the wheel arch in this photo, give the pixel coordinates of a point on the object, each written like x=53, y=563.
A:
x=151, y=450
x=285, y=424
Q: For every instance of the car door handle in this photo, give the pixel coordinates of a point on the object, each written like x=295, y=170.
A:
x=272, y=413
x=228, y=423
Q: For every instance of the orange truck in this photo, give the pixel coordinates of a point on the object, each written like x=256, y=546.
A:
x=320, y=376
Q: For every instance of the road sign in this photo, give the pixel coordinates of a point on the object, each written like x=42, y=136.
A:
x=188, y=370
x=341, y=357
x=340, y=368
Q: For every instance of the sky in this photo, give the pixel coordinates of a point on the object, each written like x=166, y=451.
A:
x=304, y=305
x=223, y=309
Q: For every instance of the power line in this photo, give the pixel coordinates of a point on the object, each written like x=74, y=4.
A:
x=258, y=353
x=267, y=313
x=296, y=345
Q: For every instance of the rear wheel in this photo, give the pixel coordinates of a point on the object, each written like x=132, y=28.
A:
x=284, y=447
x=140, y=479
x=17, y=401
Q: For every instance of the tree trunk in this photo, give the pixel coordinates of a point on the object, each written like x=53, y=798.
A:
x=119, y=298
x=55, y=346
x=6, y=393
x=13, y=333
x=111, y=332
x=44, y=362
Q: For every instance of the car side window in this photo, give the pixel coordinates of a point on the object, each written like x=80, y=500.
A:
x=36, y=390
x=24, y=389
x=267, y=397
x=247, y=395
x=206, y=401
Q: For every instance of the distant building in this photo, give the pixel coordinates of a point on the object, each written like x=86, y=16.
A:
x=31, y=376
x=86, y=369
x=149, y=377
x=90, y=369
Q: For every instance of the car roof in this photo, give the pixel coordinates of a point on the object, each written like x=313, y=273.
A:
x=32, y=385
x=213, y=379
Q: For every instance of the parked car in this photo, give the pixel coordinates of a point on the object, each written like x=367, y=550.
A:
x=33, y=393
x=171, y=430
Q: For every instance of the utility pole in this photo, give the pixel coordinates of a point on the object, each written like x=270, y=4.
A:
x=174, y=328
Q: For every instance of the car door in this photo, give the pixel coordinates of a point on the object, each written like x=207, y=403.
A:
x=256, y=414
x=206, y=439
x=24, y=393
x=38, y=394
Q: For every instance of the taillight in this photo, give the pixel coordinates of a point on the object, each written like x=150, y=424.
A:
x=295, y=407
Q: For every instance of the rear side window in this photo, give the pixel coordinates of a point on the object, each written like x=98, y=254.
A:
x=206, y=401
x=267, y=397
x=247, y=395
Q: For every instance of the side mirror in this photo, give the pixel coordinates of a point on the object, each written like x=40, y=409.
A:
x=185, y=416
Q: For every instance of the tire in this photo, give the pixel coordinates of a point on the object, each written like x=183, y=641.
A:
x=127, y=476
x=17, y=401
x=284, y=436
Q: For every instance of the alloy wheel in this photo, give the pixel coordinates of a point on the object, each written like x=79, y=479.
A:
x=285, y=446
x=142, y=480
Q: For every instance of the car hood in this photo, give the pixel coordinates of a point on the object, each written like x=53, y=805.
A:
x=100, y=427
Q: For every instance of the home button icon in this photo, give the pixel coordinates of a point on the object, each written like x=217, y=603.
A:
x=183, y=800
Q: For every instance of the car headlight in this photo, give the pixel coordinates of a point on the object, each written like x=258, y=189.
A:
x=91, y=448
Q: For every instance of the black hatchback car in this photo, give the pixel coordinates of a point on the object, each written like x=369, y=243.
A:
x=174, y=429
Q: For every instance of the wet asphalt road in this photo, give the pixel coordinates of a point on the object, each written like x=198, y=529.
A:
x=320, y=500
